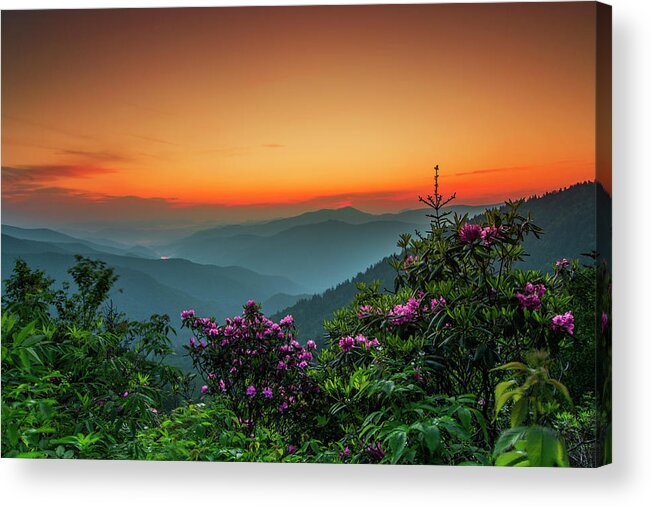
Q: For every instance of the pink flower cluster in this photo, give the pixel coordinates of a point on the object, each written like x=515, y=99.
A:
x=246, y=349
x=348, y=343
x=402, y=314
x=490, y=234
x=562, y=263
x=563, y=322
x=531, y=296
x=469, y=232
x=410, y=311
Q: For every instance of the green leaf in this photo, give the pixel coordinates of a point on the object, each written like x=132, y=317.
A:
x=397, y=443
x=544, y=448
x=510, y=459
x=502, y=386
x=499, y=403
x=514, y=365
x=562, y=389
x=432, y=437
x=519, y=412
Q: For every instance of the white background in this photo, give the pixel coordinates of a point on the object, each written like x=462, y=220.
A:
x=627, y=482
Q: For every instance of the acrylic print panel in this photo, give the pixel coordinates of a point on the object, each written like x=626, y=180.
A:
x=370, y=234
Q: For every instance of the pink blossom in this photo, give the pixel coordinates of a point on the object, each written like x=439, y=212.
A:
x=490, y=233
x=346, y=343
x=204, y=389
x=187, y=314
x=563, y=322
x=469, y=232
x=287, y=321
x=402, y=314
x=409, y=260
x=251, y=391
x=531, y=296
x=267, y=392
x=125, y=394
x=311, y=344
x=562, y=263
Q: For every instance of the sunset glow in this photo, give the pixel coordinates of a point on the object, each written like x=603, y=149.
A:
x=208, y=111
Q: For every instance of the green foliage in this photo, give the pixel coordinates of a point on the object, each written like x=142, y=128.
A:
x=465, y=359
x=80, y=383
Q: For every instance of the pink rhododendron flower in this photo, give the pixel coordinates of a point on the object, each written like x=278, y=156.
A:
x=410, y=260
x=287, y=321
x=187, y=314
x=531, y=296
x=311, y=344
x=563, y=322
x=469, y=232
x=490, y=233
x=402, y=314
x=251, y=391
x=562, y=263
x=125, y=394
x=204, y=389
x=346, y=343
x=267, y=392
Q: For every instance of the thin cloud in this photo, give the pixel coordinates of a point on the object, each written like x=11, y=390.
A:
x=99, y=156
x=496, y=170
x=154, y=140
x=47, y=173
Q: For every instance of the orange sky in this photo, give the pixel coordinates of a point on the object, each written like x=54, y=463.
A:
x=326, y=105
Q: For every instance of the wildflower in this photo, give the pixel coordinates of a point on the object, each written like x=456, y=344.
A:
x=409, y=260
x=470, y=232
x=563, y=322
x=402, y=314
x=302, y=365
x=562, y=263
x=187, y=314
x=222, y=385
x=267, y=393
x=282, y=365
x=437, y=303
x=153, y=411
x=376, y=451
x=346, y=343
x=251, y=391
x=490, y=233
x=311, y=344
x=287, y=321
x=531, y=296
x=204, y=389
